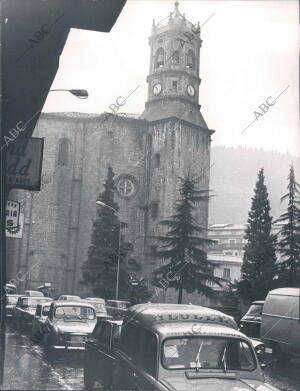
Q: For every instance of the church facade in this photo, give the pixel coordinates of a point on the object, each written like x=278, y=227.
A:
x=148, y=153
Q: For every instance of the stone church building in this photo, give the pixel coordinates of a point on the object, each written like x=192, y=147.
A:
x=147, y=154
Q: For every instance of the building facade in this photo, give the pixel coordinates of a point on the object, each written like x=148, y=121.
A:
x=147, y=153
x=228, y=250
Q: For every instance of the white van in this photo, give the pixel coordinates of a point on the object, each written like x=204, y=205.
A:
x=280, y=325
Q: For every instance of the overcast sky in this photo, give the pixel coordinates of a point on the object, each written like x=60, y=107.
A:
x=249, y=53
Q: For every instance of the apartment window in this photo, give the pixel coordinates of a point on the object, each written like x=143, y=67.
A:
x=154, y=209
x=63, y=152
x=226, y=273
x=232, y=241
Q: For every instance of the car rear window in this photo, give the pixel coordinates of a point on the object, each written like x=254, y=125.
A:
x=34, y=301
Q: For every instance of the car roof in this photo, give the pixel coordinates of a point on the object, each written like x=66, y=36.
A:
x=36, y=297
x=150, y=315
x=45, y=303
x=286, y=292
x=13, y=294
x=183, y=329
x=112, y=321
x=96, y=299
x=38, y=293
x=60, y=303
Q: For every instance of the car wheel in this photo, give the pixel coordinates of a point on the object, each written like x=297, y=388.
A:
x=89, y=382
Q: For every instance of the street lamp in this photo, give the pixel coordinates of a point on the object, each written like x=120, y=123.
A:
x=119, y=248
x=81, y=94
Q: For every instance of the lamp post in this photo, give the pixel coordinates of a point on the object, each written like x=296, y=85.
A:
x=119, y=249
x=81, y=94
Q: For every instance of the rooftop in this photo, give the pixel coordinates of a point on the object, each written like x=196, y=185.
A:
x=177, y=19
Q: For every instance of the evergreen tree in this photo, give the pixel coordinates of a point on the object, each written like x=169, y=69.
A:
x=184, y=246
x=289, y=245
x=259, y=258
x=100, y=270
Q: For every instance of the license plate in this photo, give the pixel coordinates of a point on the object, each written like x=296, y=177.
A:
x=76, y=344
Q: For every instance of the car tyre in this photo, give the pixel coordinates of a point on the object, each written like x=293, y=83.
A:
x=89, y=382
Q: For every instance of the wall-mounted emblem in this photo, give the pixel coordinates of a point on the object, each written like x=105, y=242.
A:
x=126, y=185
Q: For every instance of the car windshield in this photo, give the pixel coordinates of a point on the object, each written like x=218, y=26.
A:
x=207, y=353
x=74, y=313
x=99, y=307
x=34, y=301
x=11, y=299
x=255, y=309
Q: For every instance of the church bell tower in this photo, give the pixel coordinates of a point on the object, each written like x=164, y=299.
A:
x=177, y=139
x=173, y=81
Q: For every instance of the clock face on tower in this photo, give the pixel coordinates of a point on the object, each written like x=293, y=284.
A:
x=157, y=89
x=190, y=90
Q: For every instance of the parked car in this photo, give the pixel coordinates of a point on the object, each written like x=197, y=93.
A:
x=69, y=298
x=100, y=350
x=99, y=305
x=280, y=324
x=10, y=304
x=40, y=316
x=33, y=294
x=175, y=347
x=68, y=324
x=251, y=321
x=117, y=308
x=25, y=309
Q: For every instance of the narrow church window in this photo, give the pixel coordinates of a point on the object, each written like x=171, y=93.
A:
x=175, y=57
x=154, y=209
x=174, y=85
x=159, y=58
x=190, y=60
x=63, y=152
x=156, y=160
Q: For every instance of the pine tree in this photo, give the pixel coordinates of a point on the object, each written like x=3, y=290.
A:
x=289, y=245
x=100, y=270
x=259, y=258
x=184, y=246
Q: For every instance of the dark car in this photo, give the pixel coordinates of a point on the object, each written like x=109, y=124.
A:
x=251, y=321
x=41, y=313
x=69, y=324
x=25, y=309
x=10, y=304
x=99, y=358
